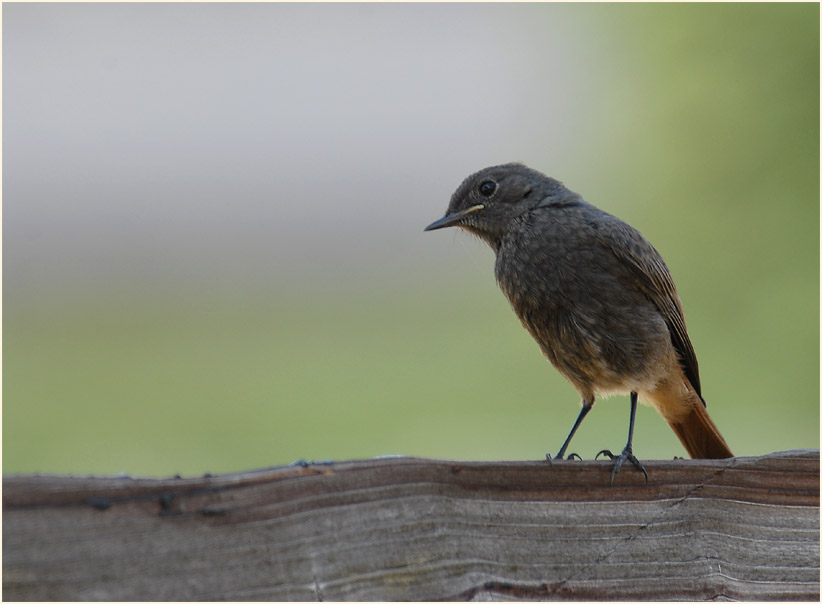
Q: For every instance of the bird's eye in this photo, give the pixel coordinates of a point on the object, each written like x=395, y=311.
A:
x=487, y=188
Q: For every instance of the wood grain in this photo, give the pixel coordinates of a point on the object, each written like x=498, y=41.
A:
x=419, y=529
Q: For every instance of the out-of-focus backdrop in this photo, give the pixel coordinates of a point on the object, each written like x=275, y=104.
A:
x=213, y=256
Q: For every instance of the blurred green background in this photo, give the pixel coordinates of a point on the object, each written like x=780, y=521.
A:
x=213, y=251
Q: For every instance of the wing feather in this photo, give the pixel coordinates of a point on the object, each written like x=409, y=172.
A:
x=655, y=281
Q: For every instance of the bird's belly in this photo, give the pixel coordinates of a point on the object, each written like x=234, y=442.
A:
x=603, y=353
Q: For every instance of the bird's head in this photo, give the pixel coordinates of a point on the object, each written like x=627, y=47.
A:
x=488, y=201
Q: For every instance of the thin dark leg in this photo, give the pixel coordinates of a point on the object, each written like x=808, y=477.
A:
x=627, y=452
x=631, y=423
x=586, y=407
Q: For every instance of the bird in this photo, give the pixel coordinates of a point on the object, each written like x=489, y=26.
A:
x=595, y=295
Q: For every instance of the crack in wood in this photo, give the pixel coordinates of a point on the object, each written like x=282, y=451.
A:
x=662, y=514
x=515, y=590
x=317, y=591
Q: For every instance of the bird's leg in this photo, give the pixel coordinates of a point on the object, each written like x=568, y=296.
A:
x=627, y=452
x=586, y=407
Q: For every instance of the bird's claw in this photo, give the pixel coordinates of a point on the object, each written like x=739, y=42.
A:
x=626, y=455
x=551, y=459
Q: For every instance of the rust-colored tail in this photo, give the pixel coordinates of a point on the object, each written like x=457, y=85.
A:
x=700, y=436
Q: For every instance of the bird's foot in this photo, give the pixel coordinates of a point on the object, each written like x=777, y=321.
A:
x=626, y=455
x=560, y=457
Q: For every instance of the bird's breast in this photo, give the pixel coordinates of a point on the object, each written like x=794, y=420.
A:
x=597, y=330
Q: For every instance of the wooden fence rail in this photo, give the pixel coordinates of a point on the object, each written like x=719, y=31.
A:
x=420, y=529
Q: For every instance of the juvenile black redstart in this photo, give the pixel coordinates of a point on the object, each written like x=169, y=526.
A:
x=595, y=295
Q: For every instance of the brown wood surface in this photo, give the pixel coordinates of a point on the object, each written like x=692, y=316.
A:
x=420, y=529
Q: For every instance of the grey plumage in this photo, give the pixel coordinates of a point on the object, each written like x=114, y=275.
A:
x=593, y=292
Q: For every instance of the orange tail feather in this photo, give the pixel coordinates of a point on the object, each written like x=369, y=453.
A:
x=700, y=436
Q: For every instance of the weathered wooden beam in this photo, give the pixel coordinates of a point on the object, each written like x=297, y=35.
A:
x=420, y=529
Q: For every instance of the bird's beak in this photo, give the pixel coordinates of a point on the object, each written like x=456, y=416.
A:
x=452, y=219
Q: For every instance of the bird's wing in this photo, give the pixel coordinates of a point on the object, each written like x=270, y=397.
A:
x=647, y=266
